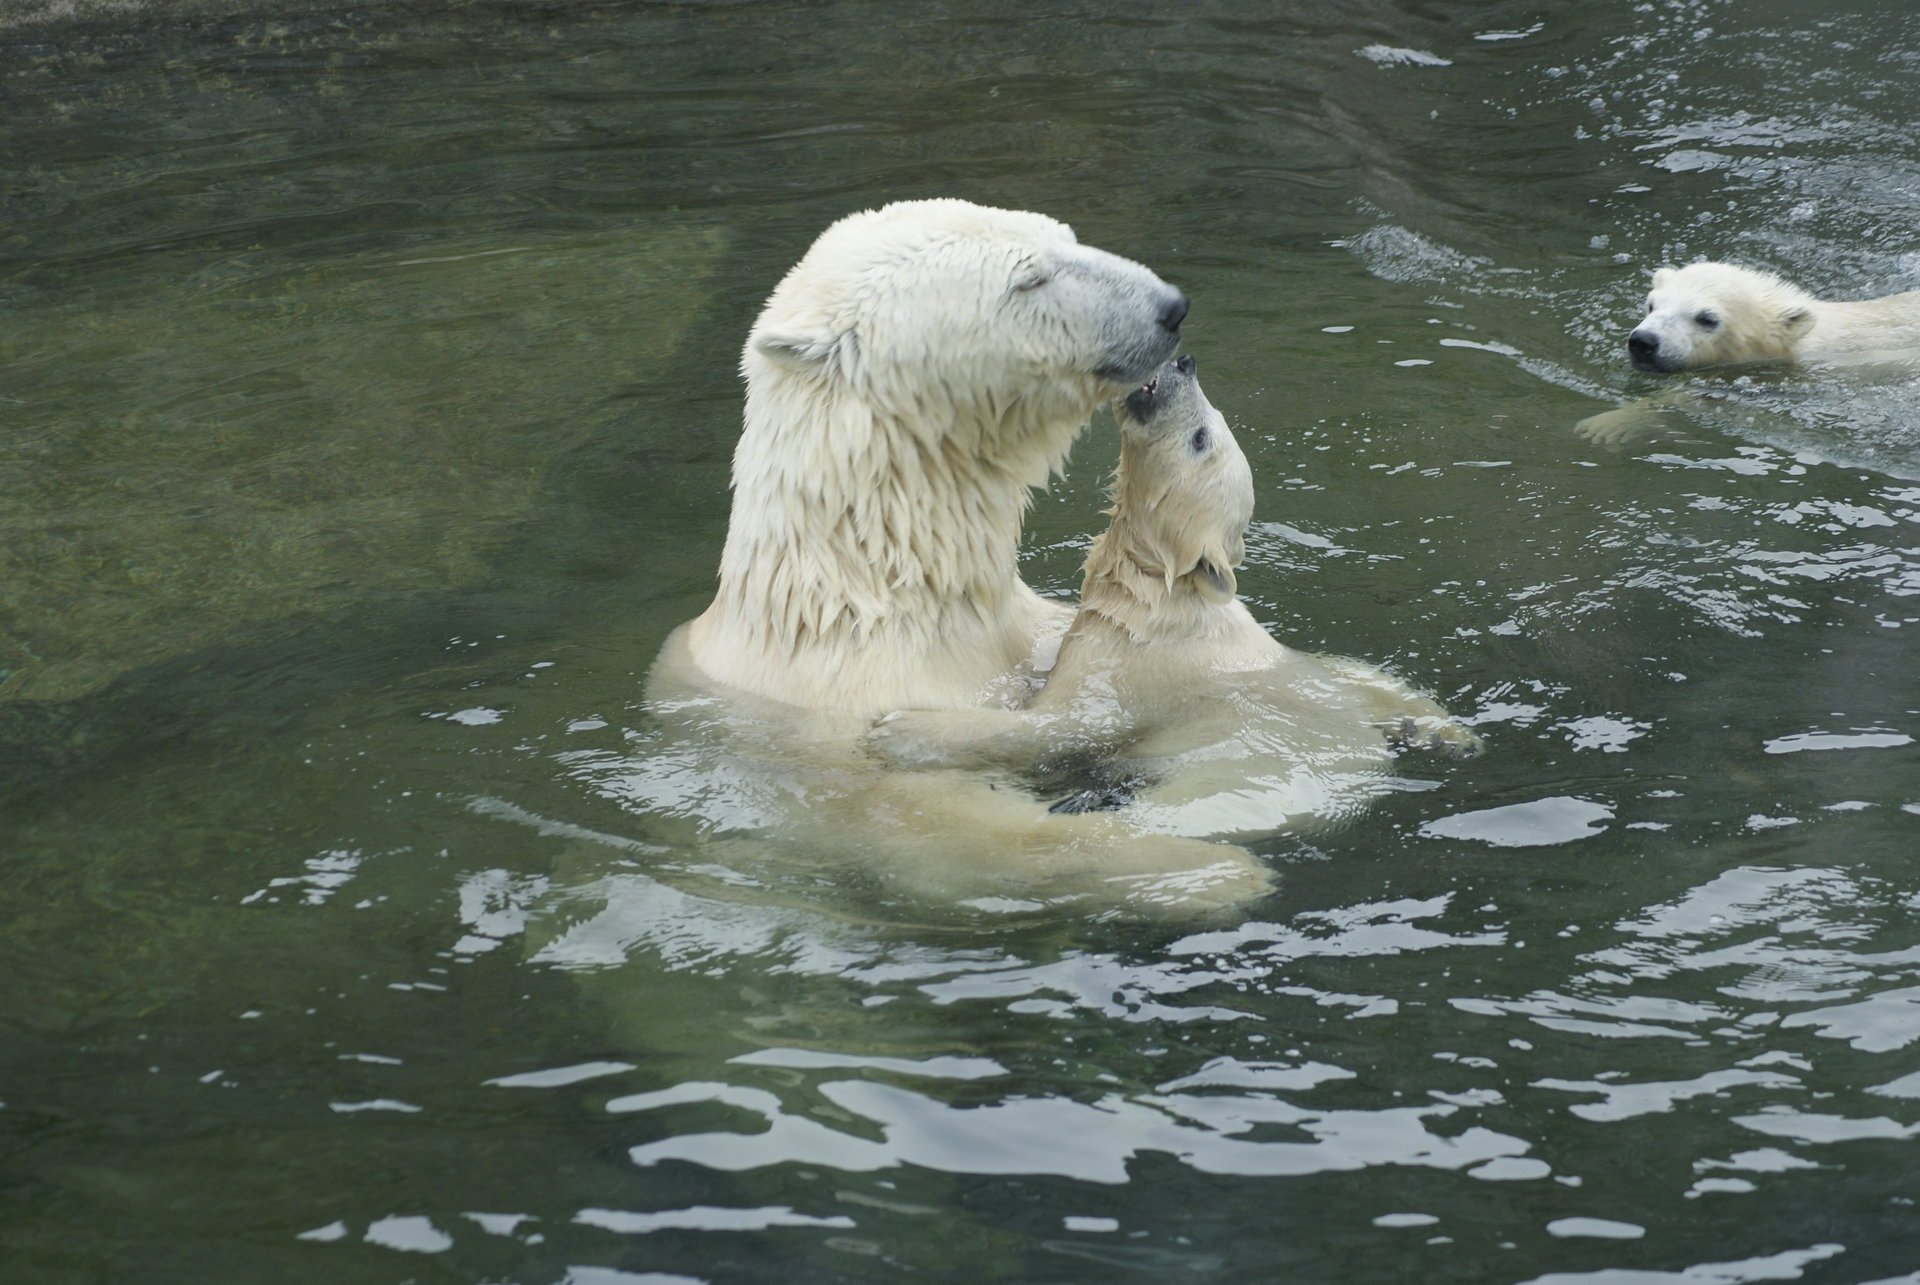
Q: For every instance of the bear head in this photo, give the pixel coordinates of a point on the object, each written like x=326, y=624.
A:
x=1718, y=314
x=1183, y=491
x=966, y=325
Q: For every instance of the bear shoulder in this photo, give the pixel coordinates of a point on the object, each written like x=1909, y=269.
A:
x=1867, y=329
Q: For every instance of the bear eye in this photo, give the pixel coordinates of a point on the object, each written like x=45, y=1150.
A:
x=1706, y=320
x=1199, y=440
x=1649, y=303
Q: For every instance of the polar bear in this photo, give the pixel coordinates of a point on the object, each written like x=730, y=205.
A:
x=913, y=377
x=1720, y=314
x=1164, y=674
x=916, y=374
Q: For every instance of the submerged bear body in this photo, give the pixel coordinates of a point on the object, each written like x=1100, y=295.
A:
x=1165, y=677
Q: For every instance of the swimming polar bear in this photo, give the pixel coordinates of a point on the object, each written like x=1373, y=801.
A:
x=913, y=377
x=1165, y=675
x=919, y=371
x=1720, y=314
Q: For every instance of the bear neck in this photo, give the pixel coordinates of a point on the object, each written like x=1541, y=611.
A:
x=853, y=526
x=1126, y=580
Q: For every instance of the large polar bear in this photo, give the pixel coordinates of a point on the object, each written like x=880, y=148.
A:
x=915, y=375
x=1207, y=724
x=1720, y=314
x=910, y=380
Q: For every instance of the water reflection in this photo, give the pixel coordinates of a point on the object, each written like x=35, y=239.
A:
x=1091, y=1142
x=337, y=923
x=1201, y=1118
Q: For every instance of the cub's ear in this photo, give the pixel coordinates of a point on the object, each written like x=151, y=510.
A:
x=1213, y=572
x=1215, y=582
x=1796, y=322
x=1661, y=277
x=801, y=350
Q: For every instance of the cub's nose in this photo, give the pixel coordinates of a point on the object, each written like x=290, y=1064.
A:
x=1185, y=364
x=1642, y=345
x=1174, y=311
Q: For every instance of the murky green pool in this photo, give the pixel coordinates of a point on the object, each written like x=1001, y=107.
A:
x=366, y=394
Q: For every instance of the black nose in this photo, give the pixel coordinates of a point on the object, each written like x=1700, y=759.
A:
x=1643, y=345
x=1185, y=364
x=1174, y=311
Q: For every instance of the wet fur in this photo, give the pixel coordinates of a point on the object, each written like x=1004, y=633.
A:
x=1166, y=675
x=1765, y=318
x=1760, y=318
x=908, y=384
x=915, y=375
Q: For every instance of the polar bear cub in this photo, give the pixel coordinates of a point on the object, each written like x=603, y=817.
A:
x=1720, y=314
x=1211, y=728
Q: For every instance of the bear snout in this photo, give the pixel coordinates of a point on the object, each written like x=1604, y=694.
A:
x=1139, y=402
x=1174, y=311
x=1644, y=347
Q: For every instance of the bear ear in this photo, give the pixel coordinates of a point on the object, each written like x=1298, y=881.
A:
x=800, y=350
x=1213, y=572
x=1796, y=321
x=1215, y=582
x=1661, y=276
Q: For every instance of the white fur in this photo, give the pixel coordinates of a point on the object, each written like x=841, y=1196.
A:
x=769, y=786
x=910, y=380
x=1720, y=314
x=1167, y=674
x=913, y=377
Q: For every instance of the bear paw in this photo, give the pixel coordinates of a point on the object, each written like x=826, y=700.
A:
x=1621, y=427
x=1435, y=736
x=906, y=739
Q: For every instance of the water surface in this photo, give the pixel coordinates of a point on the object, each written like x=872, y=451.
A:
x=366, y=393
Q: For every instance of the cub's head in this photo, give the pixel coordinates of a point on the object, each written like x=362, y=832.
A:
x=947, y=317
x=1717, y=314
x=1183, y=494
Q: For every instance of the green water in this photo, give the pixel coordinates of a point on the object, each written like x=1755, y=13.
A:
x=366, y=394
